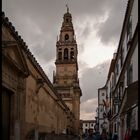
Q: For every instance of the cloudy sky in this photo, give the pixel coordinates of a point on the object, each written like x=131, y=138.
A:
x=97, y=25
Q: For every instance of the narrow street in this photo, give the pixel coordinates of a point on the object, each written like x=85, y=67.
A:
x=69, y=70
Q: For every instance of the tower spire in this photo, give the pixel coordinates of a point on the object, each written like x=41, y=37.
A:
x=67, y=8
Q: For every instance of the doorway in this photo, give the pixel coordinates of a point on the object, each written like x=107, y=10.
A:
x=6, y=100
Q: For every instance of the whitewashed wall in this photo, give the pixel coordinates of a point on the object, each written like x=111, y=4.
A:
x=89, y=125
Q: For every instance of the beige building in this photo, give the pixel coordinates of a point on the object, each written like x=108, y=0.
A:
x=31, y=106
x=66, y=80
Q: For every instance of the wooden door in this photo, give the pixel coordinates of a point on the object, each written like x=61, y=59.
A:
x=5, y=115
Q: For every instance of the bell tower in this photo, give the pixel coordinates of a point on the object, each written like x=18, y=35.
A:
x=65, y=79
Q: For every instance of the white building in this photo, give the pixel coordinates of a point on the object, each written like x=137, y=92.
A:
x=102, y=119
x=122, y=82
x=88, y=124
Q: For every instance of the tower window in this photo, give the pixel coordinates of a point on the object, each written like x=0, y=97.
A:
x=66, y=53
x=67, y=20
x=66, y=37
x=60, y=55
x=71, y=55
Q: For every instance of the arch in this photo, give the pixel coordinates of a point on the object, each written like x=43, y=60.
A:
x=72, y=55
x=66, y=54
x=67, y=20
x=60, y=55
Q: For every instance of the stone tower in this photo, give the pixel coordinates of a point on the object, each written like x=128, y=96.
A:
x=65, y=79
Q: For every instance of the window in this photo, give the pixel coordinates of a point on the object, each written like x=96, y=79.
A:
x=115, y=109
x=86, y=125
x=67, y=20
x=129, y=74
x=121, y=55
x=115, y=127
x=66, y=37
x=103, y=94
x=86, y=130
x=92, y=124
x=101, y=109
x=71, y=55
x=65, y=82
x=129, y=31
x=121, y=90
x=117, y=69
x=65, y=53
x=60, y=55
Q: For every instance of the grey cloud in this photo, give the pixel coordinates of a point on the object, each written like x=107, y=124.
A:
x=111, y=28
x=86, y=31
x=80, y=47
x=89, y=106
x=82, y=65
x=47, y=16
x=47, y=55
x=92, y=79
x=48, y=69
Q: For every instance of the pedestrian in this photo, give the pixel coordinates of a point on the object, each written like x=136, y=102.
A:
x=127, y=134
x=104, y=135
x=110, y=136
x=134, y=135
x=115, y=137
x=90, y=136
x=97, y=136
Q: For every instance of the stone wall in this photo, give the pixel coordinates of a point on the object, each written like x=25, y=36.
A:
x=35, y=105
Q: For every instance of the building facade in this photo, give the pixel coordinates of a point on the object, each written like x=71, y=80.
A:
x=66, y=80
x=88, y=124
x=102, y=119
x=31, y=105
x=122, y=81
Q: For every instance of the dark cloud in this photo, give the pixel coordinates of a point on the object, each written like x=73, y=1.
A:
x=111, y=28
x=46, y=55
x=92, y=79
x=85, y=31
x=89, y=106
x=39, y=22
x=48, y=14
